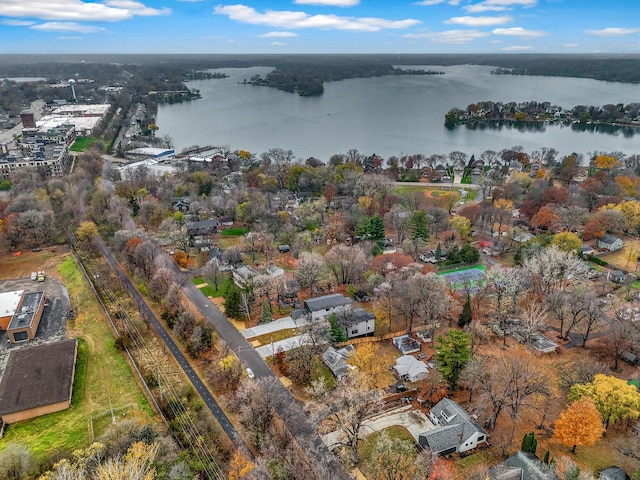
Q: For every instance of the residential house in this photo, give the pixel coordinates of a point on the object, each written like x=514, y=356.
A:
x=288, y=297
x=609, y=242
x=181, y=204
x=321, y=307
x=455, y=431
x=225, y=221
x=336, y=360
x=411, y=369
x=242, y=275
x=202, y=228
x=357, y=322
x=613, y=473
x=522, y=466
x=274, y=271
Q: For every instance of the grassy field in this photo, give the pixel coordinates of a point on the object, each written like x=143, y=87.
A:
x=102, y=376
x=434, y=191
x=81, y=144
x=209, y=289
x=234, y=232
x=275, y=336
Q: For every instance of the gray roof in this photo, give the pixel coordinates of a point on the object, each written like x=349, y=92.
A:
x=336, y=360
x=202, y=227
x=328, y=301
x=608, y=239
x=354, y=317
x=456, y=427
x=532, y=467
x=613, y=473
x=29, y=306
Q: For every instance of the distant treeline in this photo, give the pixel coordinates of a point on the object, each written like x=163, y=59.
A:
x=308, y=80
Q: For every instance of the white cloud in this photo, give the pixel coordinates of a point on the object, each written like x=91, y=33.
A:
x=290, y=19
x=78, y=10
x=17, y=23
x=613, y=32
x=479, y=21
x=69, y=38
x=499, y=5
x=517, y=48
x=571, y=45
x=455, y=37
x=427, y=3
x=329, y=3
x=518, y=32
x=67, y=27
x=278, y=35
x=278, y=44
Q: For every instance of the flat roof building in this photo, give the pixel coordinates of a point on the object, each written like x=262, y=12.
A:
x=9, y=302
x=24, y=323
x=38, y=380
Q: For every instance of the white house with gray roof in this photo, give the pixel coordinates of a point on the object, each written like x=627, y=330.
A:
x=609, y=242
x=321, y=307
x=455, y=431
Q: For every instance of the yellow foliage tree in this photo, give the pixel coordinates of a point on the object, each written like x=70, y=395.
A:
x=579, y=425
x=503, y=204
x=461, y=224
x=371, y=370
x=567, y=241
x=240, y=466
x=614, y=398
x=628, y=184
x=1, y=224
x=605, y=162
x=631, y=211
x=632, y=252
x=87, y=230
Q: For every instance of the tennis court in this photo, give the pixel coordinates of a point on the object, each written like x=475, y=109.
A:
x=460, y=278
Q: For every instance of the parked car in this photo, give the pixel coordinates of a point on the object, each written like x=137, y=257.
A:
x=34, y=276
x=250, y=373
x=41, y=276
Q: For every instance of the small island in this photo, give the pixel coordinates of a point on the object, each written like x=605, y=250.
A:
x=307, y=80
x=532, y=112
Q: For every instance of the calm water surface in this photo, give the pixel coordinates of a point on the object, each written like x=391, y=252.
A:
x=387, y=115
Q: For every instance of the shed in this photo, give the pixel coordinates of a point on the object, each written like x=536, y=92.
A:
x=613, y=473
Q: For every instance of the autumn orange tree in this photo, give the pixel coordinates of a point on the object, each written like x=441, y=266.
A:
x=579, y=425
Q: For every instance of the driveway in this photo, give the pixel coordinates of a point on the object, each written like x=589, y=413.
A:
x=415, y=421
x=284, y=345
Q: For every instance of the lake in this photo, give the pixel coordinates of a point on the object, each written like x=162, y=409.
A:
x=391, y=115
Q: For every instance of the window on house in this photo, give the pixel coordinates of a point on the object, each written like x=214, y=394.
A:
x=355, y=330
x=480, y=438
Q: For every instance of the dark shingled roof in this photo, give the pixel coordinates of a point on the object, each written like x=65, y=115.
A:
x=38, y=376
x=327, y=301
x=532, y=467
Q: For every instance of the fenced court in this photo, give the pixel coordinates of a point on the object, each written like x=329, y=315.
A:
x=465, y=276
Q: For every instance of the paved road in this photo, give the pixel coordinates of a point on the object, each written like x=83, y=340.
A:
x=198, y=384
x=325, y=464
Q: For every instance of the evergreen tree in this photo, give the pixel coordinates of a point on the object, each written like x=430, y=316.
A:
x=469, y=254
x=419, y=225
x=376, y=228
x=452, y=355
x=529, y=443
x=466, y=316
x=337, y=332
x=266, y=312
x=232, y=301
x=546, y=457
x=438, y=253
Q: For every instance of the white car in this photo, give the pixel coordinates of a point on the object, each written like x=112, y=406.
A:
x=34, y=275
x=250, y=373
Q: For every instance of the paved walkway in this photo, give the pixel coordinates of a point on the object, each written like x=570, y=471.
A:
x=413, y=420
x=270, y=327
x=285, y=345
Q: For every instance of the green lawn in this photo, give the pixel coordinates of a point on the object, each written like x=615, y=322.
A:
x=234, y=232
x=81, y=144
x=276, y=336
x=209, y=290
x=102, y=375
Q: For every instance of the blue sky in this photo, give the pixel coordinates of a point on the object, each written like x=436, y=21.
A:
x=320, y=26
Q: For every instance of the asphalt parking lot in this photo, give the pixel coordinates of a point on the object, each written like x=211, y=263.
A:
x=53, y=324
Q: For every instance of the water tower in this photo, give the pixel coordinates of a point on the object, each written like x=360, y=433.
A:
x=72, y=82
